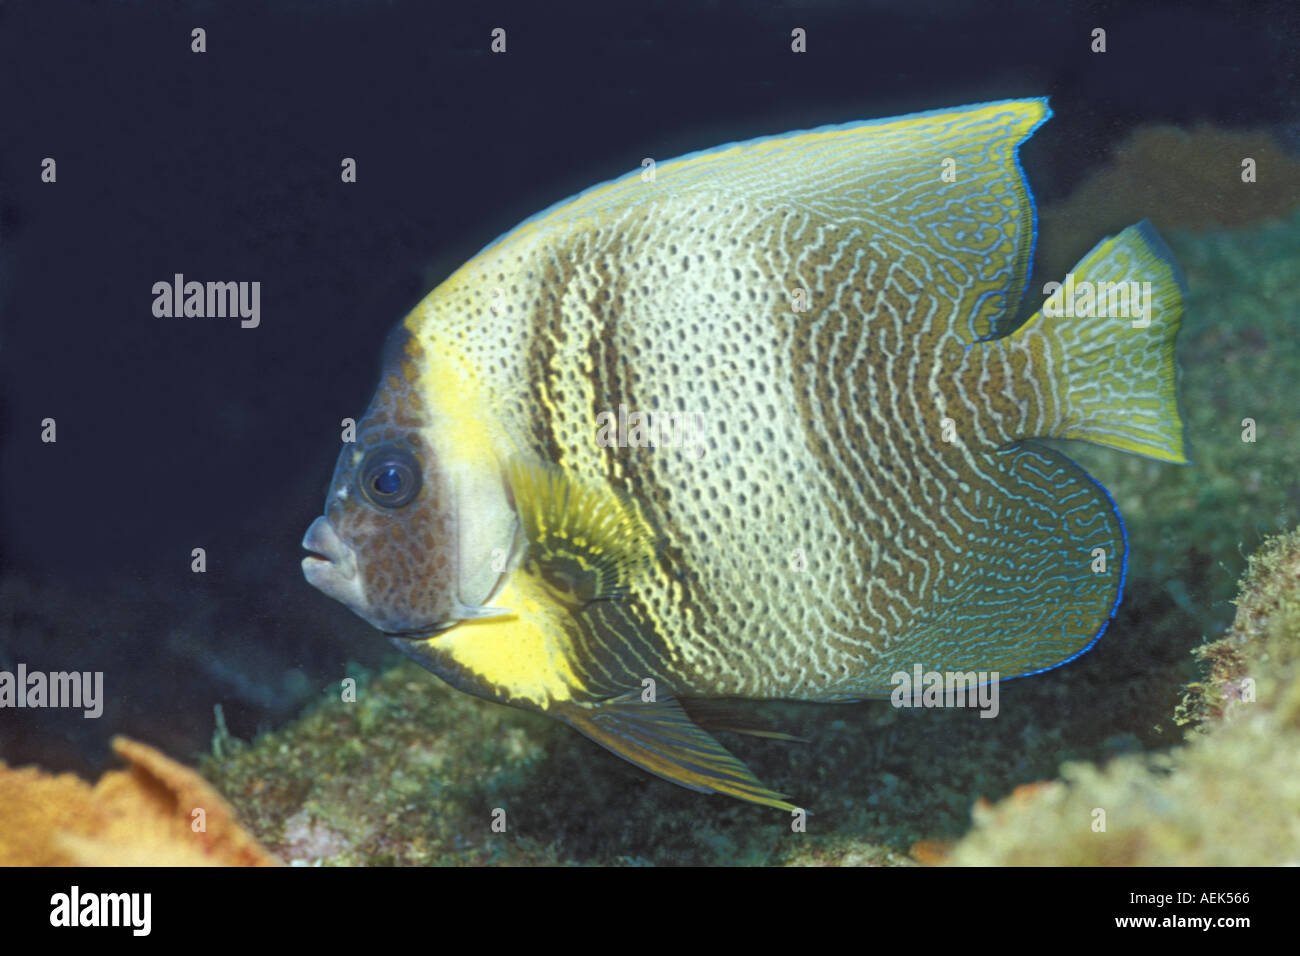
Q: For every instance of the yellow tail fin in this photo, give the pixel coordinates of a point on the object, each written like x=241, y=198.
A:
x=1109, y=329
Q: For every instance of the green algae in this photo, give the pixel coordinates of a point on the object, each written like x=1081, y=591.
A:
x=412, y=771
x=407, y=773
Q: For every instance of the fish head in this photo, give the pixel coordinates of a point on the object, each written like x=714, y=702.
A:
x=419, y=531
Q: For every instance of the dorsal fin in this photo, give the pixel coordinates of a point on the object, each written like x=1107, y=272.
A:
x=943, y=189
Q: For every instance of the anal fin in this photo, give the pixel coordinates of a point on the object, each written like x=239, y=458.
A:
x=660, y=737
x=731, y=718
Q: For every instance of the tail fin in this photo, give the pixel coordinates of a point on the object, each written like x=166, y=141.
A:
x=1110, y=331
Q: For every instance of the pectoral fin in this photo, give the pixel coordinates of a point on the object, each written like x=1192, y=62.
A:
x=585, y=542
x=659, y=736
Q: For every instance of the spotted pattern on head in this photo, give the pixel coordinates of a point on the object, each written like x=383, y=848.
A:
x=407, y=555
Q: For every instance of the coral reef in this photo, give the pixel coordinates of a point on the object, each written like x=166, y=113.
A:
x=142, y=816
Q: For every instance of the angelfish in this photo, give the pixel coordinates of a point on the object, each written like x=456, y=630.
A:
x=837, y=307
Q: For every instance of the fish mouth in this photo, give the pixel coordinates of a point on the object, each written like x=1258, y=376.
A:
x=329, y=548
x=332, y=567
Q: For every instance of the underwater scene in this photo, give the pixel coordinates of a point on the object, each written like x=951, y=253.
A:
x=780, y=434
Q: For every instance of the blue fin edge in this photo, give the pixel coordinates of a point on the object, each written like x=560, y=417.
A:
x=825, y=128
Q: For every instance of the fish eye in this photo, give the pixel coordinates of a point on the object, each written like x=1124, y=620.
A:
x=389, y=476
